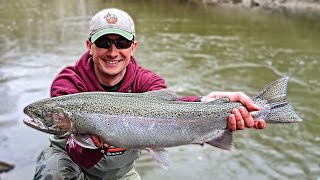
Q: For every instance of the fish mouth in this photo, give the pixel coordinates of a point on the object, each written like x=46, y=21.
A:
x=32, y=122
x=40, y=126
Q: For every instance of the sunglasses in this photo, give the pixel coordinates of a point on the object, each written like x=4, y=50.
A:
x=106, y=43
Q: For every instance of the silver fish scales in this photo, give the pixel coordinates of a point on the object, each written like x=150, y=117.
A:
x=152, y=120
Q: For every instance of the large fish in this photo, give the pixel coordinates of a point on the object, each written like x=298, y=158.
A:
x=151, y=120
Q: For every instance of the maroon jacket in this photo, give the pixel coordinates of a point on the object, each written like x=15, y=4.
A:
x=81, y=78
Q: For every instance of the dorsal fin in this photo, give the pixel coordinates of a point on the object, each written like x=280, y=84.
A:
x=164, y=94
x=220, y=100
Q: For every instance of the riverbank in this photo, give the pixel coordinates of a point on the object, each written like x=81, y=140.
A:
x=5, y=167
x=303, y=7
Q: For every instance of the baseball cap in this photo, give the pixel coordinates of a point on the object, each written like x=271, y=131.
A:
x=111, y=21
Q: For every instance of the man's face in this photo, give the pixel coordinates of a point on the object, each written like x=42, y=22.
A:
x=110, y=62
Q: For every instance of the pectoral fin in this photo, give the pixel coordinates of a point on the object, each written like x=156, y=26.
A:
x=160, y=156
x=84, y=141
x=164, y=94
x=221, y=100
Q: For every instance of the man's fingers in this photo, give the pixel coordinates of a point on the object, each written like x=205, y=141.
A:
x=239, y=119
x=260, y=124
x=96, y=141
x=232, y=126
x=247, y=118
x=106, y=146
x=246, y=101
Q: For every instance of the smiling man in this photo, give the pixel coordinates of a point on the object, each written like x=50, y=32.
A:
x=111, y=44
x=109, y=65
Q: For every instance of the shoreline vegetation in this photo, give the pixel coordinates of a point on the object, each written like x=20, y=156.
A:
x=302, y=7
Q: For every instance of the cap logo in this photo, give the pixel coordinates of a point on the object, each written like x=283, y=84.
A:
x=111, y=18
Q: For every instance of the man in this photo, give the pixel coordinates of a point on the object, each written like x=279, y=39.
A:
x=109, y=66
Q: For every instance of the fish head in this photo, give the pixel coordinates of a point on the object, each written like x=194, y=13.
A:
x=48, y=117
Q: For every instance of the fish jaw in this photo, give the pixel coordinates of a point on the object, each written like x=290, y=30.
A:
x=34, y=124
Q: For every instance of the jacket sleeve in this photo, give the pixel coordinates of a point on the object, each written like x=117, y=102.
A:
x=147, y=81
x=67, y=82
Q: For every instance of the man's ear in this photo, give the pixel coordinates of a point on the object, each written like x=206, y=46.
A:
x=89, y=46
x=134, y=47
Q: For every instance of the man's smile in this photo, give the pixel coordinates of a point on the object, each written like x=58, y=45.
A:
x=113, y=62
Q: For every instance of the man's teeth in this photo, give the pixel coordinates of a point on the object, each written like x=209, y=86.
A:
x=112, y=62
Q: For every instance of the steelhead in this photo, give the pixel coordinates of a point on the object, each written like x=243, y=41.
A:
x=151, y=120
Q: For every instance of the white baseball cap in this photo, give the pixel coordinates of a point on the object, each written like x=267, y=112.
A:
x=111, y=21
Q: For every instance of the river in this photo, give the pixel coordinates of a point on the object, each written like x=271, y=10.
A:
x=197, y=50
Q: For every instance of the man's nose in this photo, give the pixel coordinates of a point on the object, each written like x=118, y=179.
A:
x=112, y=51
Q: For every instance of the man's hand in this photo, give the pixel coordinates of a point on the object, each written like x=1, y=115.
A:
x=105, y=146
x=98, y=143
x=240, y=117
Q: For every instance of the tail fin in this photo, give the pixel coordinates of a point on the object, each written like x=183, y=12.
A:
x=273, y=97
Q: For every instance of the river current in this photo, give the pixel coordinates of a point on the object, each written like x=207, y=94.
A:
x=197, y=49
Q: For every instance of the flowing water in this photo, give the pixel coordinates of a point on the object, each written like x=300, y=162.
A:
x=197, y=50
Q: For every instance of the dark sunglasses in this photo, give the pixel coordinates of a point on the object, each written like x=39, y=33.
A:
x=106, y=43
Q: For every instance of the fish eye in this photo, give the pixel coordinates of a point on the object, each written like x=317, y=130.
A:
x=39, y=113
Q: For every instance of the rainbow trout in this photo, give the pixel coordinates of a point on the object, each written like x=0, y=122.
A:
x=151, y=120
